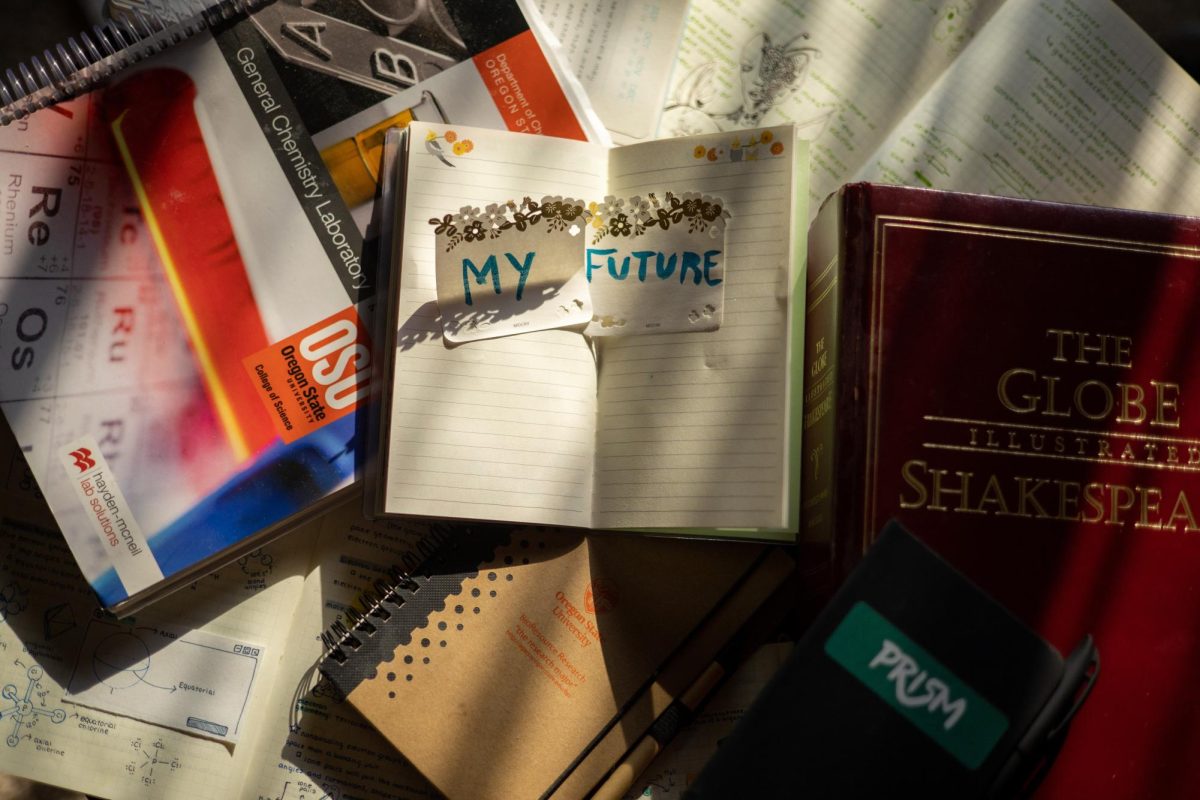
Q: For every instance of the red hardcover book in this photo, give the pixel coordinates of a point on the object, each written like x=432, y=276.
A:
x=1019, y=383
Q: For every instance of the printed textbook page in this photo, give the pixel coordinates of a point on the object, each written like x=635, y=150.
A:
x=48, y=616
x=1089, y=111
x=622, y=53
x=953, y=95
x=299, y=742
x=845, y=73
x=313, y=743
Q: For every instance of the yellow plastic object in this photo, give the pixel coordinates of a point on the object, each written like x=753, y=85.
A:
x=354, y=163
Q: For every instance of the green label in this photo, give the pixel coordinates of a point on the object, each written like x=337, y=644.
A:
x=917, y=685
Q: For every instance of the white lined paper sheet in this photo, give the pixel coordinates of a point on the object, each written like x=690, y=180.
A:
x=692, y=429
x=499, y=429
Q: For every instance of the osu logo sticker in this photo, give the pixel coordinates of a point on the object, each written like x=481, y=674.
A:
x=83, y=459
x=340, y=363
x=600, y=596
x=314, y=376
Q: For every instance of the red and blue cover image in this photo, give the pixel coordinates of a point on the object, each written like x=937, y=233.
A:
x=187, y=270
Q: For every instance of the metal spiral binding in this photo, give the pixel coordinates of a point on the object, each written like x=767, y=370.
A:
x=82, y=63
x=339, y=636
x=461, y=549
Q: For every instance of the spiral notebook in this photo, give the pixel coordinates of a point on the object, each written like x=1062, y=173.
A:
x=526, y=664
x=78, y=65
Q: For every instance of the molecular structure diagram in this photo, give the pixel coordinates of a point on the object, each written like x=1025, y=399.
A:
x=148, y=758
x=13, y=600
x=23, y=711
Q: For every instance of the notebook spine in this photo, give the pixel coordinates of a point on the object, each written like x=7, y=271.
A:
x=82, y=62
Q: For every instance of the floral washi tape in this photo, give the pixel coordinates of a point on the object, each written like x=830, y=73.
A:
x=657, y=264
x=511, y=268
x=619, y=267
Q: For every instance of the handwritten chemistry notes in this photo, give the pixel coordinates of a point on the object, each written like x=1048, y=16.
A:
x=621, y=267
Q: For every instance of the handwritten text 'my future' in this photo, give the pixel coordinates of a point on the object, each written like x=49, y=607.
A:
x=687, y=265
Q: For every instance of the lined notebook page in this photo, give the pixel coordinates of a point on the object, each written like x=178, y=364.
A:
x=692, y=428
x=499, y=429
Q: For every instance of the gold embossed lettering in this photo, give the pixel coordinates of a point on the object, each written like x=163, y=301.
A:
x=1167, y=400
x=1093, y=495
x=1150, y=498
x=1059, y=336
x=1030, y=403
x=1132, y=396
x=1027, y=497
x=992, y=495
x=1068, y=500
x=907, y=472
x=935, y=500
x=1120, y=498
x=1106, y=399
x=1182, y=512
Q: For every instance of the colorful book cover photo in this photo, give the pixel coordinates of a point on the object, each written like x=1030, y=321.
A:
x=185, y=274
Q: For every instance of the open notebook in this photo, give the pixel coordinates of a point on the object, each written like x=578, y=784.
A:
x=697, y=432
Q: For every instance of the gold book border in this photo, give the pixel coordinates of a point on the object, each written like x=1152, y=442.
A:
x=885, y=223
